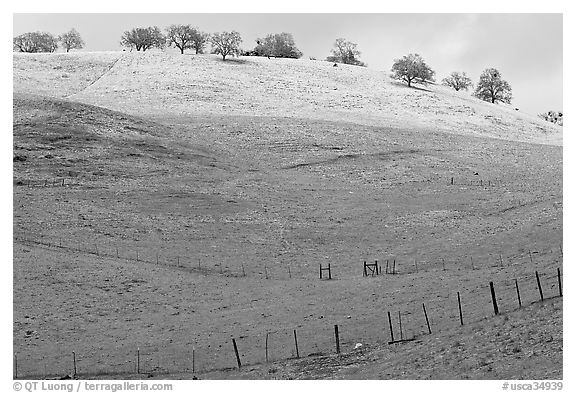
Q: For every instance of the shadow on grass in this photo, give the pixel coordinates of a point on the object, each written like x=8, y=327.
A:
x=401, y=84
x=233, y=61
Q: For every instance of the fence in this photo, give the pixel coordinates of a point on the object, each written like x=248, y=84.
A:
x=478, y=182
x=165, y=256
x=459, y=307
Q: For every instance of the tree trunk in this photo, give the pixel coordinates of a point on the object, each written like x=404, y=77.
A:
x=223, y=57
x=67, y=50
x=182, y=50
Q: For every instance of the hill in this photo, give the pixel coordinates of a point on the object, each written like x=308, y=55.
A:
x=171, y=203
x=164, y=85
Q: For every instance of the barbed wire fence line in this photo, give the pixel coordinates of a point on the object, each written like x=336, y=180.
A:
x=460, y=306
x=389, y=265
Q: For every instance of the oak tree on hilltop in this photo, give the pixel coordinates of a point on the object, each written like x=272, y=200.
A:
x=143, y=38
x=412, y=69
x=458, y=81
x=278, y=45
x=199, y=41
x=553, y=117
x=71, y=40
x=492, y=87
x=35, y=42
x=345, y=52
x=226, y=43
x=186, y=37
x=180, y=36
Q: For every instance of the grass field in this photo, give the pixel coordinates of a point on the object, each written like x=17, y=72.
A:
x=240, y=178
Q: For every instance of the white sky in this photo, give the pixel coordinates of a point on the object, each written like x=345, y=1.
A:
x=526, y=48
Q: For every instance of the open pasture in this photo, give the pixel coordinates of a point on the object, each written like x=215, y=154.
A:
x=176, y=231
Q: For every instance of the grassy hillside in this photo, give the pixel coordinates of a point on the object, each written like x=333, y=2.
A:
x=59, y=74
x=486, y=350
x=200, y=197
x=168, y=85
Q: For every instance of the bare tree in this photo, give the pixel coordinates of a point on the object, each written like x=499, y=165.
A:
x=492, y=87
x=412, y=69
x=71, y=40
x=226, y=43
x=458, y=81
x=180, y=36
x=199, y=41
x=143, y=38
x=35, y=42
x=345, y=52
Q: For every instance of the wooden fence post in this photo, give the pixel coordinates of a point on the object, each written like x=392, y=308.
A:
x=364, y=271
x=539, y=287
x=386, y=266
x=15, y=366
x=296, y=344
x=337, y=336
x=138, y=361
x=193, y=359
x=243, y=270
x=394, y=267
x=329, y=272
x=518, y=294
x=426, y=316
x=390, y=323
x=266, y=346
x=460, y=309
x=74, y=361
x=320, y=271
x=559, y=283
x=494, y=303
x=237, y=355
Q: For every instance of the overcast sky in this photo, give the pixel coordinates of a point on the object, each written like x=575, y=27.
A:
x=526, y=48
